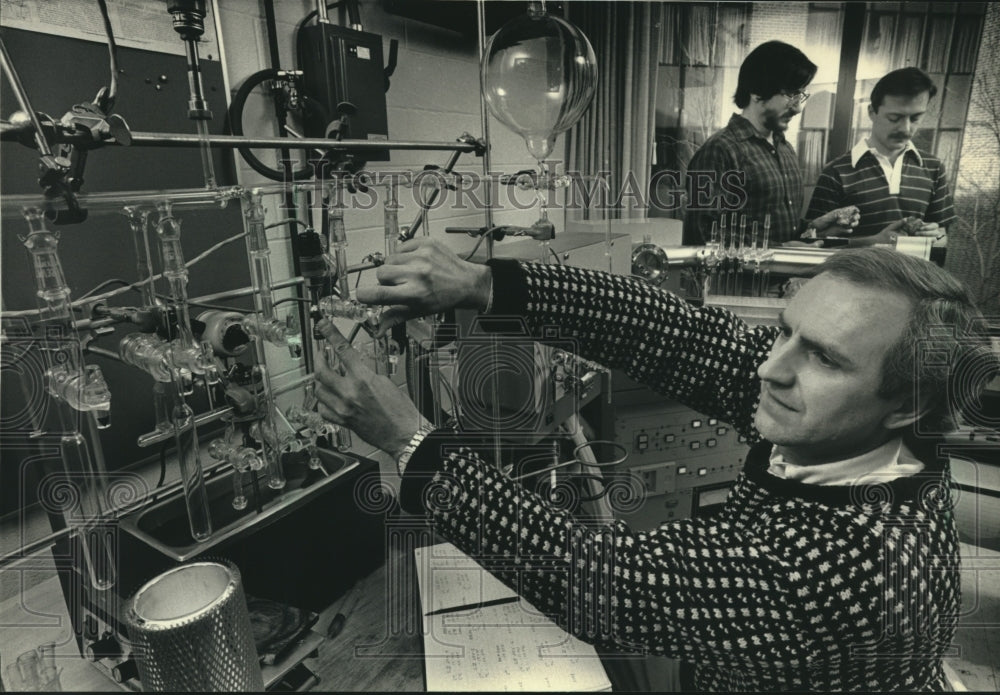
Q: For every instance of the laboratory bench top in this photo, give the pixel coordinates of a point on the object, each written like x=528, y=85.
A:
x=380, y=646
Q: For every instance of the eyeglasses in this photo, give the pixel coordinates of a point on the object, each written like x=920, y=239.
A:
x=796, y=98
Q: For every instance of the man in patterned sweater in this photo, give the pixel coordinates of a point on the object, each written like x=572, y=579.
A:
x=834, y=563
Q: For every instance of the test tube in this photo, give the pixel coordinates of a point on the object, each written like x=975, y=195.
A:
x=755, y=253
x=740, y=257
x=713, y=244
x=75, y=389
x=97, y=555
x=733, y=261
x=197, y=104
x=765, y=279
x=264, y=324
x=712, y=260
x=186, y=353
x=192, y=475
x=723, y=260
x=207, y=167
x=338, y=242
x=138, y=220
x=342, y=435
x=391, y=212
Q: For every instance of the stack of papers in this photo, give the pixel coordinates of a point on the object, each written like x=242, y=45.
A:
x=479, y=635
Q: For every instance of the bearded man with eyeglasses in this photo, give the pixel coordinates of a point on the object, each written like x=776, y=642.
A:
x=748, y=167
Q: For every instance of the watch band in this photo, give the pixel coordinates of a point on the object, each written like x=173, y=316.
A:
x=415, y=441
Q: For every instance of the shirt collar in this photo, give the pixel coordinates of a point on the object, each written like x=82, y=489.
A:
x=862, y=147
x=890, y=461
x=744, y=130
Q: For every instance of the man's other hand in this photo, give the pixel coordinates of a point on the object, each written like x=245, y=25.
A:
x=891, y=232
x=426, y=277
x=363, y=401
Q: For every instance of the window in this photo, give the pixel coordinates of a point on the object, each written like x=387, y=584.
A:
x=703, y=45
x=941, y=39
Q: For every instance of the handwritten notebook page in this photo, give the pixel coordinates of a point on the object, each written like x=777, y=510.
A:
x=507, y=647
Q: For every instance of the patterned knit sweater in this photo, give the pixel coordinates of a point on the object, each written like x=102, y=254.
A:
x=790, y=587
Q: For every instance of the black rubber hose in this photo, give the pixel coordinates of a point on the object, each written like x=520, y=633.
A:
x=236, y=125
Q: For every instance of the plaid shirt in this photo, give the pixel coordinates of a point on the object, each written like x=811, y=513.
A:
x=769, y=176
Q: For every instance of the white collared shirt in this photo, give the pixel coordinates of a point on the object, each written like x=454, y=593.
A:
x=893, y=170
x=880, y=465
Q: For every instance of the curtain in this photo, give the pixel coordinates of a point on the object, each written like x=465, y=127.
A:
x=617, y=132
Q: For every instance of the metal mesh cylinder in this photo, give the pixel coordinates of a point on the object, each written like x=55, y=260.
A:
x=190, y=631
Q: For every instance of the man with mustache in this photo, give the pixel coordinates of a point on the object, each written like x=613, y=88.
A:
x=748, y=167
x=834, y=562
x=898, y=189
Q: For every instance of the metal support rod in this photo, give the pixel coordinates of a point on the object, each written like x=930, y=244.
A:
x=12, y=131
x=485, y=118
x=411, y=231
x=289, y=198
x=13, y=205
x=22, y=100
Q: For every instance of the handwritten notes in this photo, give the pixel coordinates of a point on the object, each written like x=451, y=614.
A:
x=501, y=647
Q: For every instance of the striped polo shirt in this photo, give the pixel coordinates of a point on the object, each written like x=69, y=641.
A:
x=858, y=178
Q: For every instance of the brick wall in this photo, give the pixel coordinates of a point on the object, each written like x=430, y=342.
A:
x=782, y=21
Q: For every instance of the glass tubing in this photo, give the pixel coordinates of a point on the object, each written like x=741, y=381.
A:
x=80, y=396
x=185, y=355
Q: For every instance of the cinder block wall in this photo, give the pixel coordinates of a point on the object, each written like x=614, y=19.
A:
x=434, y=96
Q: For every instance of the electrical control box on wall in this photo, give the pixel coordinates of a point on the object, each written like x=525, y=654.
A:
x=344, y=78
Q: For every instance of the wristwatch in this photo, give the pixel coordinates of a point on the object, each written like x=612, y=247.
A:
x=419, y=436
